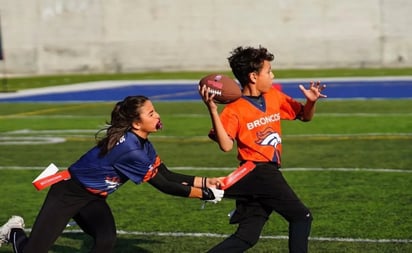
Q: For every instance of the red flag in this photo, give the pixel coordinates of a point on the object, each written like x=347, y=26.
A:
x=237, y=174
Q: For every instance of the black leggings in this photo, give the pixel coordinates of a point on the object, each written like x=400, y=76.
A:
x=66, y=200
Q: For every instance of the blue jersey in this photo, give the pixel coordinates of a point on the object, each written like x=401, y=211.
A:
x=131, y=158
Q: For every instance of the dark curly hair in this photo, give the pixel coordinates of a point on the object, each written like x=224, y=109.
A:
x=245, y=60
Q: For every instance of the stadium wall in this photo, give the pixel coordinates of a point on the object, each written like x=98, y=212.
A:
x=94, y=36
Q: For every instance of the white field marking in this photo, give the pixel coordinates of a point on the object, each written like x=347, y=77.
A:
x=10, y=138
x=382, y=170
x=154, y=136
x=18, y=116
x=17, y=140
x=280, y=237
x=30, y=131
x=98, y=85
x=119, y=83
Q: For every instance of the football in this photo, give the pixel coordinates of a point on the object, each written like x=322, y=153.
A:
x=226, y=89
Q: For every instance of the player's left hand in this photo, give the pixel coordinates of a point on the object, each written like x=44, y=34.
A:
x=214, y=182
x=314, y=92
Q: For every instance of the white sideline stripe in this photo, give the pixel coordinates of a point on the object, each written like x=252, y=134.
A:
x=8, y=140
x=383, y=170
x=279, y=237
x=10, y=137
x=119, y=83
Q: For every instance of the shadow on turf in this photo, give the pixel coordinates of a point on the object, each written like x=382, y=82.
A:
x=123, y=245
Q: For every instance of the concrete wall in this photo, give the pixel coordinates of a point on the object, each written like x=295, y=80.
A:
x=63, y=36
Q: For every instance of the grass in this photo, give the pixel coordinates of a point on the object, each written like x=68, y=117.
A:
x=362, y=203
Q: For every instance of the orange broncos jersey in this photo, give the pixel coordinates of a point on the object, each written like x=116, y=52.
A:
x=256, y=128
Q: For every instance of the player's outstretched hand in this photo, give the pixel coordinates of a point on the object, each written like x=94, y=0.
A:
x=314, y=92
x=212, y=195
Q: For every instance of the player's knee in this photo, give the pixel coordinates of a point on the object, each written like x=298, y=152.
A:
x=301, y=225
x=302, y=215
x=307, y=216
x=307, y=219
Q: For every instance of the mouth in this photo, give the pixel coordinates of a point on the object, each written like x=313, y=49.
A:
x=159, y=125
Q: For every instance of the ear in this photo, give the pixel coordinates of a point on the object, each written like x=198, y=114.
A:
x=253, y=77
x=135, y=125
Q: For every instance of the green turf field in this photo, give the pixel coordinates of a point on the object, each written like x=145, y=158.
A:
x=352, y=165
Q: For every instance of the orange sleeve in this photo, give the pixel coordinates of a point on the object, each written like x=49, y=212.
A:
x=153, y=170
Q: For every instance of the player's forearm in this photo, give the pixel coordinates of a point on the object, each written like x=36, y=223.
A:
x=173, y=188
x=175, y=177
x=195, y=181
x=169, y=187
x=224, y=141
x=308, y=110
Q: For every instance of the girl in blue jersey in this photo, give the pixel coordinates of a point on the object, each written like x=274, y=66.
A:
x=125, y=153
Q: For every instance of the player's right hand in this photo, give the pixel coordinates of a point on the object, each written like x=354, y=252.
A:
x=214, y=182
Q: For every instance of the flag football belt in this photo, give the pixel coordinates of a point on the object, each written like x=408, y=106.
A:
x=237, y=174
x=50, y=176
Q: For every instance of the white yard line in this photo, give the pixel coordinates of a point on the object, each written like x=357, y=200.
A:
x=32, y=137
x=121, y=83
x=280, y=237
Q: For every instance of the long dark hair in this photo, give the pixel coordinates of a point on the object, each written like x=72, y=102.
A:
x=123, y=115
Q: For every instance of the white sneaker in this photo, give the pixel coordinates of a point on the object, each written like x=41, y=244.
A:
x=13, y=222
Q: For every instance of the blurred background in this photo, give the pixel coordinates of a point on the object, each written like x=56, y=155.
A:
x=48, y=37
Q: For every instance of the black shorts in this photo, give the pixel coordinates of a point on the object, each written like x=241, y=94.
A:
x=265, y=190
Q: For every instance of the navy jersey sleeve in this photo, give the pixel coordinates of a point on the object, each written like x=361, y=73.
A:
x=134, y=165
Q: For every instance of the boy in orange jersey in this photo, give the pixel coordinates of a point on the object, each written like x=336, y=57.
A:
x=253, y=121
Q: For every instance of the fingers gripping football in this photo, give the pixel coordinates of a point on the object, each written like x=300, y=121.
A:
x=224, y=88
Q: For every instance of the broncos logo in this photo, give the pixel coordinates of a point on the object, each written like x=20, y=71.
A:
x=268, y=137
x=112, y=183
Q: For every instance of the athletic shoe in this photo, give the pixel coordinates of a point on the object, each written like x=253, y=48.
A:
x=13, y=222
